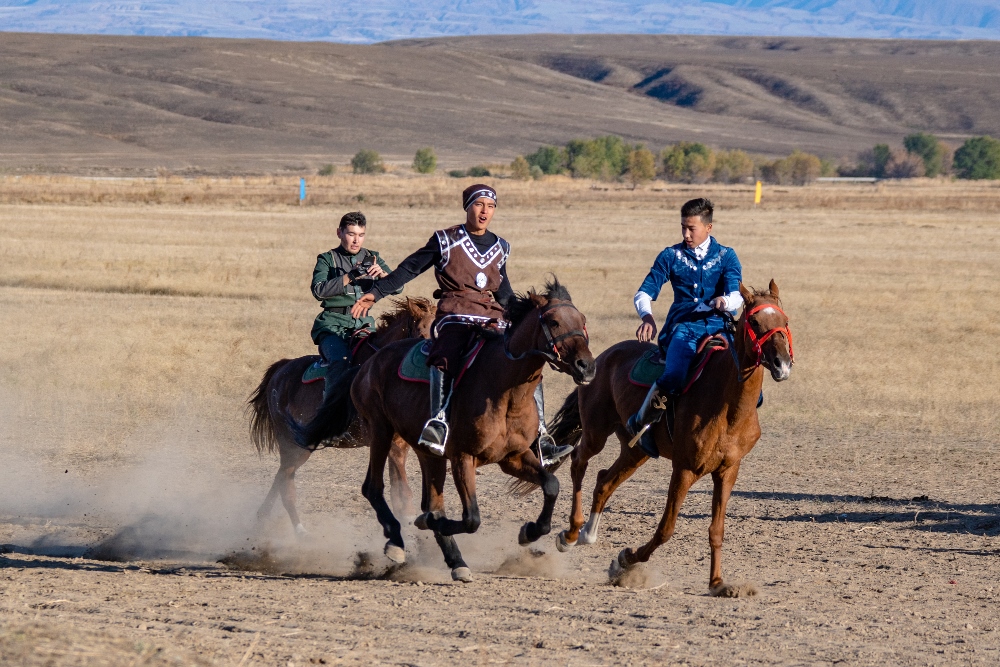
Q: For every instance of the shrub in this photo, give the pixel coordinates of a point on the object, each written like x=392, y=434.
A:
x=425, y=161
x=978, y=158
x=732, y=166
x=688, y=162
x=520, y=169
x=457, y=173
x=931, y=151
x=641, y=166
x=604, y=158
x=550, y=159
x=367, y=162
x=478, y=171
x=536, y=172
x=327, y=170
x=797, y=169
x=905, y=165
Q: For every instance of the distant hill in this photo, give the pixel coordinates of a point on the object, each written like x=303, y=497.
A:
x=80, y=103
x=378, y=20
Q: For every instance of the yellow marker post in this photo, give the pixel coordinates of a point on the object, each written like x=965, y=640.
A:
x=756, y=194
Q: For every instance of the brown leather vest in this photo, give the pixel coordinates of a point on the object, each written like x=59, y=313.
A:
x=467, y=279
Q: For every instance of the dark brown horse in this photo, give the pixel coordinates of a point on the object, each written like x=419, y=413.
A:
x=281, y=397
x=715, y=426
x=493, y=419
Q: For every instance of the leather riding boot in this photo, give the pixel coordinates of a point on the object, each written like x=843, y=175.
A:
x=548, y=451
x=334, y=371
x=435, y=432
x=638, y=425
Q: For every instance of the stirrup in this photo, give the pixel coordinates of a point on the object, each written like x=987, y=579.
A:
x=549, y=452
x=435, y=434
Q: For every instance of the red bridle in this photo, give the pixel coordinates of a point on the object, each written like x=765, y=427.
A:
x=758, y=342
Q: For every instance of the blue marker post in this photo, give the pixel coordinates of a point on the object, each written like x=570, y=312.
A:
x=302, y=191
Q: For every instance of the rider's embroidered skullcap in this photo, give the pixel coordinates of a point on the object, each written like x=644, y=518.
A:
x=474, y=192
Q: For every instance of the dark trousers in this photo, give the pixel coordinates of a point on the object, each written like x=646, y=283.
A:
x=450, y=346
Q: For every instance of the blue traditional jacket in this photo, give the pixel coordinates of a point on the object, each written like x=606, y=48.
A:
x=695, y=282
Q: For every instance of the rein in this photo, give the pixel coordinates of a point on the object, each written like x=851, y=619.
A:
x=758, y=341
x=551, y=351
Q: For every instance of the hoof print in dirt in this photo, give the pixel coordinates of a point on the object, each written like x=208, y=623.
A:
x=745, y=590
x=462, y=574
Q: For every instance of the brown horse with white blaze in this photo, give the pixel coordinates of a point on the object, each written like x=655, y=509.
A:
x=282, y=401
x=493, y=419
x=715, y=426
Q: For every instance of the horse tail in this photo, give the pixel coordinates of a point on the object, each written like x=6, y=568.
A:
x=262, y=433
x=566, y=428
x=333, y=418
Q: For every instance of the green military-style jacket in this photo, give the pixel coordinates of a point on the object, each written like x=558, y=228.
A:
x=337, y=298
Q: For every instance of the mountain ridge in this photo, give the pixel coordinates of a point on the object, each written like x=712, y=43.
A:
x=383, y=20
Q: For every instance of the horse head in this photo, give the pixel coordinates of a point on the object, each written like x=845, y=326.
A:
x=764, y=327
x=558, y=330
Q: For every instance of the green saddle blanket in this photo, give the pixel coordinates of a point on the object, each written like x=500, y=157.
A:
x=647, y=369
x=315, y=372
x=414, y=366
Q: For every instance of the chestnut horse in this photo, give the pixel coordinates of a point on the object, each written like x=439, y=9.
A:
x=715, y=426
x=281, y=398
x=493, y=418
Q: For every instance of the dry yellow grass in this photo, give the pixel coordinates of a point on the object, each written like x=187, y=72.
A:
x=118, y=313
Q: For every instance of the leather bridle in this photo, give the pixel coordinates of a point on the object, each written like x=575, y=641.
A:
x=758, y=341
x=551, y=351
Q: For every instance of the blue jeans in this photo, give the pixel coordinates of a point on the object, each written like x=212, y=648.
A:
x=335, y=350
x=680, y=350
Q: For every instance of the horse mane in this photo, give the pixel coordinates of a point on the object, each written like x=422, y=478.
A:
x=401, y=309
x=520, y=305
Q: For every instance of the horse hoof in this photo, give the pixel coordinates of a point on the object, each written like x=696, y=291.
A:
x=562, y=544
x=522, y=537
x=462, y=574
x=733, y=591
x=421, y=521
x=300, y=531
x=395, y=553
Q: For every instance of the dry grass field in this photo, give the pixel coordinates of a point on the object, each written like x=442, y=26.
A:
x=138, y=315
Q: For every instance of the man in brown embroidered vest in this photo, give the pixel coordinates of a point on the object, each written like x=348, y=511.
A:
x=470, y=267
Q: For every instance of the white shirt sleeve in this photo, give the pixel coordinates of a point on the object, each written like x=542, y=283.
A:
x=733, y=300
x=644, y=304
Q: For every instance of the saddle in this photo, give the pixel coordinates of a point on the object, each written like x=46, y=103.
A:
x=315, y=371
x=649, y=367
x=414, y=368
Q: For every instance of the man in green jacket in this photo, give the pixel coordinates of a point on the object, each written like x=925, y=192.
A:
x=341, y=276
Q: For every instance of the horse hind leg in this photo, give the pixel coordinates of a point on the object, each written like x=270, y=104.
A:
x=608, y=481
x=373, y=490
x=291, y=458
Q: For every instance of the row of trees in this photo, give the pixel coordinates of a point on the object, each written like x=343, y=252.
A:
x=610, y=158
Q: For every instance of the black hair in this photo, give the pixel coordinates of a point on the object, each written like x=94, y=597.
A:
x=353, y=218
x=520, y=305
x=699, y=207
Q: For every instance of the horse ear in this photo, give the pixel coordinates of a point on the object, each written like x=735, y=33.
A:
x=745, y=293
x=773, y=289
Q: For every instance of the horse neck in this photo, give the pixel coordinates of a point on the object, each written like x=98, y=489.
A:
x=522, y=339
x=745, y=377
x=396, y=330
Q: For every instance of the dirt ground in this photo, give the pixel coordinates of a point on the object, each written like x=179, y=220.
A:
x=866, y=519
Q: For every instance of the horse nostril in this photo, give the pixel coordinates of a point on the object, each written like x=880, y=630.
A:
x=581, y=364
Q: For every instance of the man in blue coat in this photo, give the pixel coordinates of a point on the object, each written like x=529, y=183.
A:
x=705, y=277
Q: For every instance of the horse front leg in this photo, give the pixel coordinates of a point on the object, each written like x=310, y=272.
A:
x=463, y=470
x=526, y=466
x=724, y=480
x=680, y=483
x=399, y=487
x=434, y=471
x=373, y=490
